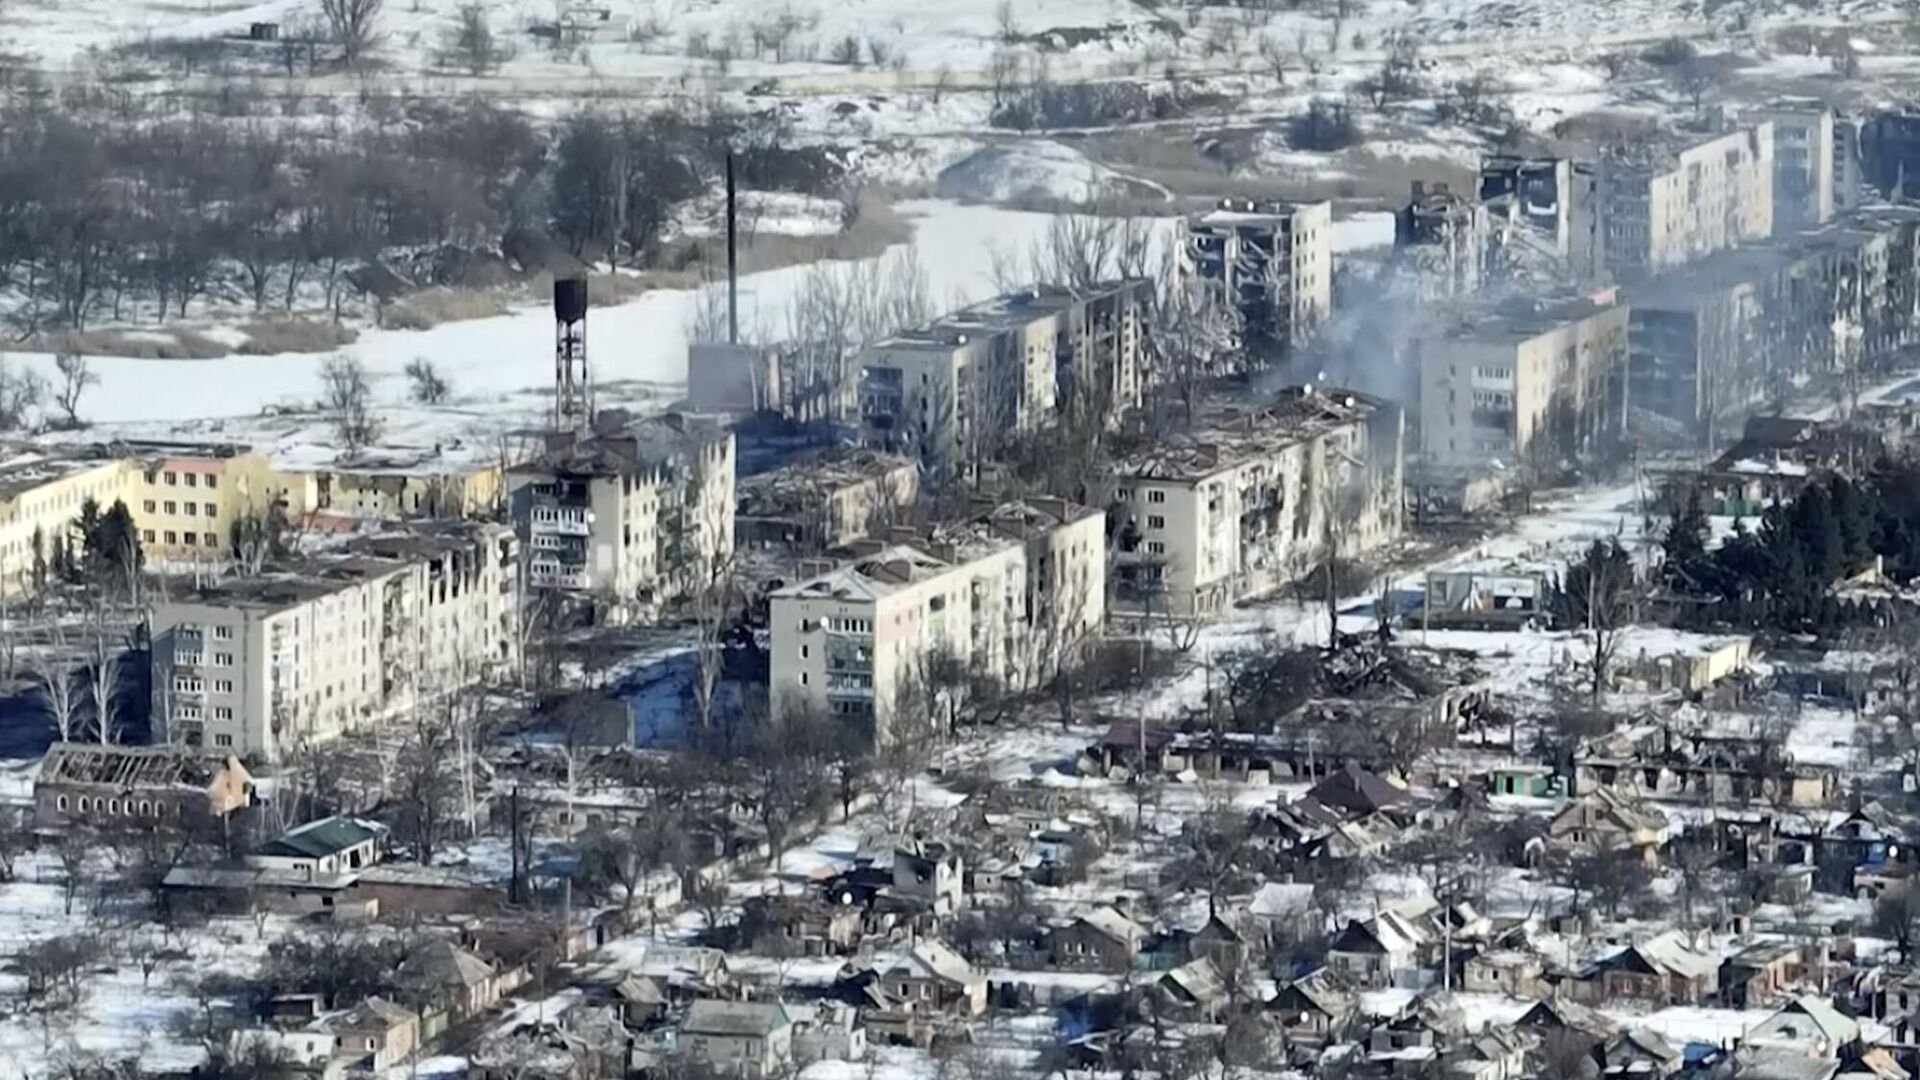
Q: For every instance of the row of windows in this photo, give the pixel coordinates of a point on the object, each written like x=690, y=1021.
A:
x=138, y=807
x=172, y=479
x=1154, y=495
x=192, y=509
x=189, y=539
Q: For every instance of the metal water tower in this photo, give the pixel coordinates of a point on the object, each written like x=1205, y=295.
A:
x=572, y=388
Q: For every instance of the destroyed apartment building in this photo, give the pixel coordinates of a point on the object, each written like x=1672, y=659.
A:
x=1008, y=595
x=1440, y=243
x=87, y=783
x=1268, y=263
x=1252, y=497
x=958, y=389
x=303, y=652
x=1712, y=341
x=634, y=514
x=826, y=500
x=1543, y=220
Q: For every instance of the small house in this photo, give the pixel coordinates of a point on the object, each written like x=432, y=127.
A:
x=1101, y=940
x=1637, y=1053
x=932, y=977
x=384, y=1032
x=1379, y=952
x=1664, y=969
x=1809, y=1022
x=318, y=849
x=751, y=1039
x=1513, y=972
x=931, y=874
x=1603, y=820
x=1193, y=991
x=1315, y=1008
x=1758, y=976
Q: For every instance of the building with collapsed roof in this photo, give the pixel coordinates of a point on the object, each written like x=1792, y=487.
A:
x=1250, y=498
x=252, y=664
x=952, y=391
x=400, y=484
x=1268, y=262
x=1440, y=242
x=1711, y=341
x=95, y=782
x=637, y=514
x=1008, y=595
x=1542, y=219
x=1526, y=379
x=827, y=501
x=1670, y=201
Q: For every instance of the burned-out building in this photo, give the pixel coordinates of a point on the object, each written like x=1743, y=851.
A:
x=957, y=389
x=1252, y=497
x=633, y=513
x=92, y=783
x=1440, y=243
x=1712, y=340
x=1269, y=263
x=1803, y=165
x=825, y=501
x=1543, y=218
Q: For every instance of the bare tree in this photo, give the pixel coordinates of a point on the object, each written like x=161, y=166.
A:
x=346, y=394
x=353, y=23
x=1601, y=597
x=21, y=392
x=103, y=675
x=54, y=682
x=425, y=382
x=471, y=44
x=75, y=376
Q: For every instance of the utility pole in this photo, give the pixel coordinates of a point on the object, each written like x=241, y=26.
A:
x=733, y=260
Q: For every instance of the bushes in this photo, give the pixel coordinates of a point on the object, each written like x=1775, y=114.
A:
x=1080, y=105
x=268, y=337
x=1327, y=125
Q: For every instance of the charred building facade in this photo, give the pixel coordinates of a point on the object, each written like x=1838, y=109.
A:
x=1440, y=243
x=1543, y=219
x=1253, y=497
x=953, y=391
x=1269, y=264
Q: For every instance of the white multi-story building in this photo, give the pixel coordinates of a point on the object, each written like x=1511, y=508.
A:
x=1803, y=165
x=889, y=640
x=1254, y=497
x=1666, y=204
x=254, y=665
x=638, y=514
x=1506, y=382
x=954, y=391
x=1269, y=262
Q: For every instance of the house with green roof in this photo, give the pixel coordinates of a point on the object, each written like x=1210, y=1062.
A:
x=323, y=848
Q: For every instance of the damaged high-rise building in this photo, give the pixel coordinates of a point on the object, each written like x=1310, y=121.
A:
x=1268, y=263
x=1711, y=342
x=1665, y=202
x=1252, y=496
x=1803, y=165
x=1543, y=219
x=1440, y=243
x=954, y=391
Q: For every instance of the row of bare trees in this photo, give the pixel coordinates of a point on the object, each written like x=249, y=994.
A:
x=142, y=215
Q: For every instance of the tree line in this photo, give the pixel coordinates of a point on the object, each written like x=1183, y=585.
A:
x=130, y=214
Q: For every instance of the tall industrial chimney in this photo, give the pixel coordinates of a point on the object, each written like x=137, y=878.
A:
x=572, y=388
